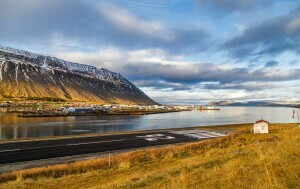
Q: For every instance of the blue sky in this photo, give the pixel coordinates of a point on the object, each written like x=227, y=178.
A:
x=177, y=51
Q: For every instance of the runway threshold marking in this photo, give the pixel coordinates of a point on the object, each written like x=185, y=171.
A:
x=199, y=134
x=155, y=137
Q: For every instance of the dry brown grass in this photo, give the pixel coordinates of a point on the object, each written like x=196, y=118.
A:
x=242, y=160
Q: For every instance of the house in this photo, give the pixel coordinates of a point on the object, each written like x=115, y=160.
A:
x=80, y=110
x=261, y=126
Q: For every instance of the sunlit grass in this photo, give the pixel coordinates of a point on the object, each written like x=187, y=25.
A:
x=241, y=160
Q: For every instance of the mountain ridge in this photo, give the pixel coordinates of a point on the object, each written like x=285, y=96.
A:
x=250, y=103
x=26, y=74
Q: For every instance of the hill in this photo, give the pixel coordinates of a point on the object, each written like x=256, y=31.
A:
x=249, y=103
x=29, y=75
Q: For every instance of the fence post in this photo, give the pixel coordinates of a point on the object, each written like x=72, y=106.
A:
x=109, y=159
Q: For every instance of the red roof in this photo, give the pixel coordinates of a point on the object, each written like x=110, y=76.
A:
x=261, y=120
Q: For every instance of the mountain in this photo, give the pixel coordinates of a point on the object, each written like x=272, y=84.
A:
x=249, y=103
x=34, y=76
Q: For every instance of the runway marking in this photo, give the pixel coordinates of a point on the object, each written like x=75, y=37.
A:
x=199, y=134
x=76, y=144
x=10, y=150
x=218, y=134
x=156, y=137
x=194, y=133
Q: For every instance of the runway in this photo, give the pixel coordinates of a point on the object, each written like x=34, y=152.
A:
x=13, y=152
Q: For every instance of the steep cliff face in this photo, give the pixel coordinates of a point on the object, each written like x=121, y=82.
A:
x=24, y=74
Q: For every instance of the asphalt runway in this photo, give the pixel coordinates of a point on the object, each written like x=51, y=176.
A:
x=13, y=152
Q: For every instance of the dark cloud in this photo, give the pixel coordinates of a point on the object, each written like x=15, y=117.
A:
x=92, y=24
x=271, y=36
x=191, y=74
x=245, y=86
x=271, y=64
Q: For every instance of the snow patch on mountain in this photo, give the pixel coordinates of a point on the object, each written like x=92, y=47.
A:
x=51, y=63
x=18, y=52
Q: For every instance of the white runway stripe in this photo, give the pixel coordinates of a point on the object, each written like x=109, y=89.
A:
x=218, y=134
x=76, y=144
x=209, y=135
x=10, y=150
x=199, y=134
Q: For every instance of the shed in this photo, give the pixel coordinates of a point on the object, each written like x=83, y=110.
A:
x=261, y=126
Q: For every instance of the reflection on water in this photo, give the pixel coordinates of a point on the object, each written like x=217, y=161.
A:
x=12, y=126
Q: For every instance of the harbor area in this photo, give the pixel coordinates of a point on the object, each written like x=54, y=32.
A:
x=101, y=110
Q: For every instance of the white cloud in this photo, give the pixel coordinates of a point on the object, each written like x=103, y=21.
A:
x=114, y=58
x=196, y=96
x=168, y=79
x=128, y=22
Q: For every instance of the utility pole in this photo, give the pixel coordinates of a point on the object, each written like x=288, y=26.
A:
x=298, y=118
x=296, y=111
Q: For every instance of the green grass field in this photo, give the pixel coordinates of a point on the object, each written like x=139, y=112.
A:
x=241, y=160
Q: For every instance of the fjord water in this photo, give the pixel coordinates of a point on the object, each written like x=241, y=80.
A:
x=12, y=127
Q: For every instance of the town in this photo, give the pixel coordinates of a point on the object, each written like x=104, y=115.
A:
x=56, y=109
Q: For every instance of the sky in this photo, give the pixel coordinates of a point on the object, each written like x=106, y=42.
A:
x=176, y=51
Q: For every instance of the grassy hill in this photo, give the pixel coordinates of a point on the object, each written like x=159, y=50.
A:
x=242, y=160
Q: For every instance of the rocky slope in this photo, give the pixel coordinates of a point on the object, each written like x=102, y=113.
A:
x=24, y=74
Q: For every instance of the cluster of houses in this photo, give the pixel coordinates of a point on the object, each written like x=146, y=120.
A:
x=151, y=107
x=120, y=107
x=17, y=104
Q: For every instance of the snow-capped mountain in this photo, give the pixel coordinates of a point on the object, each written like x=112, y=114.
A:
x=25, y=74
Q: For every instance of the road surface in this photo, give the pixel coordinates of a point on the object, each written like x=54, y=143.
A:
x=13, y=152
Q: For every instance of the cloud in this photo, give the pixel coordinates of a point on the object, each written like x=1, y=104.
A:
x=91, y=24
x=271, y=64
x=166, y=47
x=247, y=86
x=156, y=68
x=227, y=6
x=149, y=6
x=265, y=92
x=199, y=96
x=159, y=84
x=127, y=22
x=272, y=36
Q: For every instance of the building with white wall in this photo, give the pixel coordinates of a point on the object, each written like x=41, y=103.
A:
x=261, y=126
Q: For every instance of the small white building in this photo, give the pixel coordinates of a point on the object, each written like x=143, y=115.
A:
x=261, y=126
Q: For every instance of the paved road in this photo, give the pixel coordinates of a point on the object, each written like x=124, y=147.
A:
x=34, y=150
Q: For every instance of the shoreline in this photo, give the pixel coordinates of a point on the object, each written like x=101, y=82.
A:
x=31, y=115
